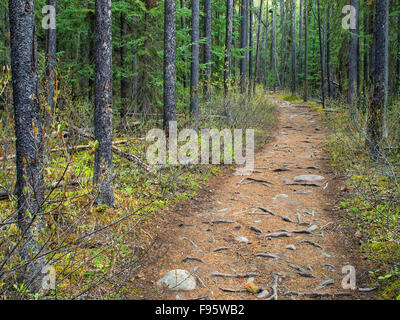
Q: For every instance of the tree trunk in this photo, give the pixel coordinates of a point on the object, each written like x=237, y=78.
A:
x=251, y=9
x=274, y=45
x=29, y=136
x=328, y=50
x=380, y=79
x=305, y=97
x=293, y=39
x=353, y=57
x=102, y=179
x=265, y=82
x=258, y=47
x=300, y=51
x=207, y=48
x=194, y=77
x=227, y=59
x=169, y=63
x=243, y=44
x=124, y=80
x=50, y=62
x=183, y=27
x=283, y=47
x=321, y=54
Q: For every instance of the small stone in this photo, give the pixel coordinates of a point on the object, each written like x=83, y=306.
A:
x=178, y=280
x=308, y=178
x=281, y=195
x=312, y=228
x=263, y=294
x=242, y=239
x=291, y=247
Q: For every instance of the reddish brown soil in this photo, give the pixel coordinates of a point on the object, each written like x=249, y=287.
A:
x=295, y=150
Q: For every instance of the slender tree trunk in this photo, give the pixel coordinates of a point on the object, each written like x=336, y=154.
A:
x=103, y=103
x=169, y=63
x=251, y=9
x=377, y=106
x=50, y=62
x=265, y=82
x=207, y=48
x=194, y=77
x=258, y=46
x=321, y=54
x=227, y=59
x=29, y=136
x=328, y=49
x=305, y=97
x=283, y=47
x=183, y=27
x=353, y=57
x=274, y=46
x=124, y=80
x=243, y=44
x=300, y=51
x=293, y=39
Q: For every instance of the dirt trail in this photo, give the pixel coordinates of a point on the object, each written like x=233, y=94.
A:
x=295, y=244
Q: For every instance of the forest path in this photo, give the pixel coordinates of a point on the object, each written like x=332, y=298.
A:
x=294, y=243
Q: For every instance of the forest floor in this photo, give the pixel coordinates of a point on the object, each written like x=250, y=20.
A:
x=293, y=244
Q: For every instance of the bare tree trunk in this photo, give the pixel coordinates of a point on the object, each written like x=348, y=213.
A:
x=227, y=59
x=251, y=9
x=274, y=45
x=353, y=57
x=207, y=48
x=283, y=47
x=103, y=128
x=305, y=96
x=124, y=80
x=300, y=51
x=50, y=62
x=328, y=49
x=183, y=27
x=265, y=82
x=321, y=53
x=377, y=106
x=293, y=38
x=194, y=77
x=29, y=136
x=169, y=63
x=243, y=44
x=258, y=46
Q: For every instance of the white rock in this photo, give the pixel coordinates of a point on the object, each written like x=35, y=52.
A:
x=178, y=280
x=291, y=247
x=242, y=239
x=308, y=178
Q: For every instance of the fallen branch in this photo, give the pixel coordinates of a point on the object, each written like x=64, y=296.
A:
x=117, y=151
x=234, y=275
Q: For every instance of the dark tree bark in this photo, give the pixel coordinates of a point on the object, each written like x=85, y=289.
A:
x=274, y=46
x=328, y=50
x=102, y=179
x=305, y=96
x=227, y=59
x=283, y=42
x=258, y=47
x=169, y=63
x=243, y=44
x=194, y=77
x=207, y=48
x=135, y=76
x=300, y=51
x=183, y=27
x=321, y=54
x=293, y=39
x=124, y=79
x=50, y=62
x=29, y=135
x=265, y=82
x=251, y=9
x=353, y=58
x=380, y=79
